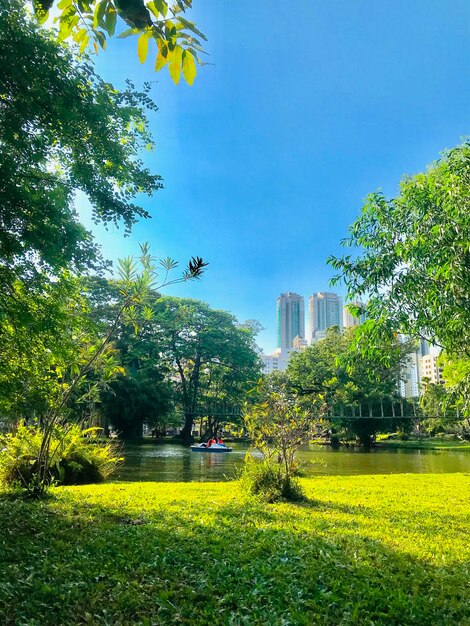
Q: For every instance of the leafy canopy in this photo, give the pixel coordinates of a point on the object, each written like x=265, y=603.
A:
x=414, y=255
x=63, y=130
x=215, y=358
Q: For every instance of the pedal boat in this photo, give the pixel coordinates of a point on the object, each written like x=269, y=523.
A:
x=215, y=447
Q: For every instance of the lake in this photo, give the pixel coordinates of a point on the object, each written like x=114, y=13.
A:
x=171, y=463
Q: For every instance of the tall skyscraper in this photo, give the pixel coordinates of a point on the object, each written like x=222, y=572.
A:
x=290, y=319
x=324, y=310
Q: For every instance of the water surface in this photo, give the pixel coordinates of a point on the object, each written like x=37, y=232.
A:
x=170, y=462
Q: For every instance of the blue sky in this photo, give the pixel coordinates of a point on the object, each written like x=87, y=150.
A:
x=307, y=108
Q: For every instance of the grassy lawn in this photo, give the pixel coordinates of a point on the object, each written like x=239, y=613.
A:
x=425, y=444
x=364, y=550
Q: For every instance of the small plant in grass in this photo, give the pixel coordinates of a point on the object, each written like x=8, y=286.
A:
x=277, y=426
x=76, y=456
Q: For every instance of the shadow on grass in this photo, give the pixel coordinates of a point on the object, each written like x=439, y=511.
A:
x=74, y=561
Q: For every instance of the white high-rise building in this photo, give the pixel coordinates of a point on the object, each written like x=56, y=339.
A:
x=290, y=319
x=324, y=311
x=270, y=363
x=419, y=364
x=430, y=369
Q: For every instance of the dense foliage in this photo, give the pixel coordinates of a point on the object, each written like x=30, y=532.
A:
x=367, y=550
x=413, y=264
x=78, y=456
x=63, y=131
x=342, y=387
x=414, y=260
x=215, y=358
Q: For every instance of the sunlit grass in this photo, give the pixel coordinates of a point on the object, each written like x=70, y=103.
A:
x=435, y=443
x=365, y=549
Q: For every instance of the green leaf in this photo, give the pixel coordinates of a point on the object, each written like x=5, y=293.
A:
x=110, y=22
x=162, y=7
x=101, y=39
x=190, y=26
x=189, y=67
x=128, y=33
x=99, y=12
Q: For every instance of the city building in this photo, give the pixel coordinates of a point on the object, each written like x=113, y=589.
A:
x=349, y=320
x=299, y=343
x=290, y=319
x=278, y=360
x=324, y=311
x=410, y=386
x=430, y=369
x=422, y=363
x=270, y=363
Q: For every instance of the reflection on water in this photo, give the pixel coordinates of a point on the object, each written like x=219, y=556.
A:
x=168, y=462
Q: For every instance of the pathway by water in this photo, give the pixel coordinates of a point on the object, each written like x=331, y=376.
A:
x=167, y=462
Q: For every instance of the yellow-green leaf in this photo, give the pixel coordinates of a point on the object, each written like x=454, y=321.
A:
x=153, y=9
x=162, y=7
x=64, y=4
x=99, y=13
x=143, y=46
x=175, y=71
x=189, y=68
x=128, y=33
x=84, y=43
x=160, y=61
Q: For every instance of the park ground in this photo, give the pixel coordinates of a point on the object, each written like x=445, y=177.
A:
x=362, y=550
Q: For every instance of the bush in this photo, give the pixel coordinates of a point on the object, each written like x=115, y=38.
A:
x=266, y=479
x=78, y=456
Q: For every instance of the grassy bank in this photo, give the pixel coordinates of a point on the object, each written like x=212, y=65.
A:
x=364, y=550
x=434, y=443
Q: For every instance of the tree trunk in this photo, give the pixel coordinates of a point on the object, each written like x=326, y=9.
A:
x=186, y=433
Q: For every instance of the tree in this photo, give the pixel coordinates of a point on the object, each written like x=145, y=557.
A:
x=94, y=363
x=334, y=376
x=178, y=40
x=447, y=406
x=134, y=398
x=62, y=131
x=414, y=258
x=140, y=393
x=214, y=357
x=277, y=425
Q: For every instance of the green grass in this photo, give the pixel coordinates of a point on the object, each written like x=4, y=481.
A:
x=425, y=444
x=390, y=550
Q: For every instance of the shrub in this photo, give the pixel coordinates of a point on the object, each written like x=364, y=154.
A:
x=264, y=478
x=77, y=456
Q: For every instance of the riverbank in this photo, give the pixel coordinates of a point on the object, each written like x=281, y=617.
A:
x=382, y=549
x=434, y=443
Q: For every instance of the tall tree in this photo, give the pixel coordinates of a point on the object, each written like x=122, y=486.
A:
x=413, y=263
x=62, y=131
x=215, y=358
